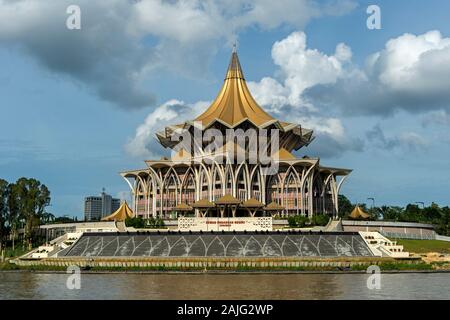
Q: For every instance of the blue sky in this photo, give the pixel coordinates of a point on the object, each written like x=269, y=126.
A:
x=71, y=101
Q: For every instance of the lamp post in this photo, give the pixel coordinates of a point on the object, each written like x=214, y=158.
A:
x=373, y=202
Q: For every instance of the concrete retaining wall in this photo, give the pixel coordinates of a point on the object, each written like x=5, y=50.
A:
x=442, y=238
x=200, y=262
x=407, y=230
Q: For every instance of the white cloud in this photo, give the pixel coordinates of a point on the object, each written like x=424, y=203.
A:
x=411, y=73
x=144, y=143
x=301, y=68
x=416, y=64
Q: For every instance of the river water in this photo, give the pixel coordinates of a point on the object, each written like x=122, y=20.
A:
x=224, y=286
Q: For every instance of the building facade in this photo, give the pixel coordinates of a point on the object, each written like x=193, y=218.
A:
x=205, y=178
x=97, y=207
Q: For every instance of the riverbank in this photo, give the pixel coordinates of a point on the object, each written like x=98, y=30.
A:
x=386, y=267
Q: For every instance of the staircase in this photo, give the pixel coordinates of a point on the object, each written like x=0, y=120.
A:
x=334, y=225
x=382, y=246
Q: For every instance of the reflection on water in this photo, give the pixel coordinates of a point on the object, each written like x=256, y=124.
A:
x=224, y=286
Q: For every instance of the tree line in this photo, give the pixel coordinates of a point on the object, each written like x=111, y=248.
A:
x=432, y=214
x=22, y=206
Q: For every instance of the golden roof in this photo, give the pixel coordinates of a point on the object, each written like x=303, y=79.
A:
x=227, y=199
x=273, y=206
x=233, y=106
x=358, y=213
x=234, y=103
x=283, y=154
x=252, y=203
x=183, y=207
x=120, y=214
x=203, y=203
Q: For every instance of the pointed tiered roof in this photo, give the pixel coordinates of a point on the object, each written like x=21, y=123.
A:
x=273, y=206
x=252, y=203
x=235, y=105
x=120, y=214
x=227, y=199
x=358, y=213
x=183, y=207
x=203, y=203
x=283, y=154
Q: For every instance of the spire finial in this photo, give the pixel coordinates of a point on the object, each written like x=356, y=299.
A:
x=235, y=46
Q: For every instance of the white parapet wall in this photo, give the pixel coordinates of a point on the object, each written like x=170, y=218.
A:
x=42, y=252
x=382, y=246
x=225, y=224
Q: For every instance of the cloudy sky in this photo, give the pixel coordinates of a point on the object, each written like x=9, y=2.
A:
x=79, y=106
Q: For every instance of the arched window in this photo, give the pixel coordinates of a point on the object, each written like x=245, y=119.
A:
x=188, y=188
x=150, y=195
x=274, y=189
x=291, y=194
x=242, y=183
x=170, y=192
x=217, y=183
x=229, y=180
x=140, y=198
x=204, y=184
x=256, y=185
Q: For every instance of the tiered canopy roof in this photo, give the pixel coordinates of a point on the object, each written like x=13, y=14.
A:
x=120, y=214
x=227, y=199
x=234, y=103
x=233, y=106
x=359, y=213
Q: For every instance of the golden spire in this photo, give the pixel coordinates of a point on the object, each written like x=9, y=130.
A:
x=234, y=103
x=234, y=68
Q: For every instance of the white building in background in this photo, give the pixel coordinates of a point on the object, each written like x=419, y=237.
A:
x=97, y=207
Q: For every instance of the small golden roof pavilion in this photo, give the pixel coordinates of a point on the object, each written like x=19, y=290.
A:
x=120, y=214
x=358, y=213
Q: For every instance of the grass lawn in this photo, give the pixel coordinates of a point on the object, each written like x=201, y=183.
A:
x=18, y=251
x=424, y=246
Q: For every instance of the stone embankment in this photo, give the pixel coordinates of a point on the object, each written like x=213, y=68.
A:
x=214, y=263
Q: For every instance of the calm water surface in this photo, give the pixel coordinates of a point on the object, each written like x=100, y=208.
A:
x=224, y=286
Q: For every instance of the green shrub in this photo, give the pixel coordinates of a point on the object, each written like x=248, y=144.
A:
x=301, y=221
x=136, y=222
x=292, y=222
x=320, y=220
x=298, y=221
x=154, y=223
